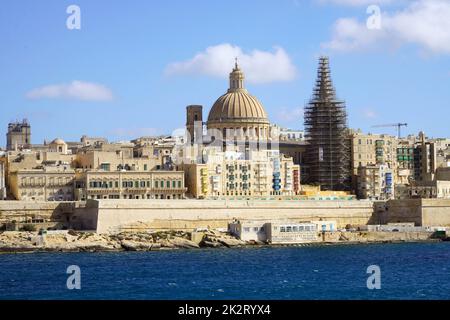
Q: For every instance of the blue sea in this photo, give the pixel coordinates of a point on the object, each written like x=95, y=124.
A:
x=407, y=271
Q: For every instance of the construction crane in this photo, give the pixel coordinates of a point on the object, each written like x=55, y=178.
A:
x=397, y=125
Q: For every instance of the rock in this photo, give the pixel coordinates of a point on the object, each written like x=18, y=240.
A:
x=197, y=237
x=166, y=244
x=210, y=244
x=136, y=246
x=156, y=246
x=343, y=238
x=183, y=243
x=73, y=233
x=230, y=242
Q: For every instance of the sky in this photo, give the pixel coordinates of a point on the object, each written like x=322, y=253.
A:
x=132, y=67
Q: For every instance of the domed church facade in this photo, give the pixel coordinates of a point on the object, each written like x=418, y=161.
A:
x=236, y=114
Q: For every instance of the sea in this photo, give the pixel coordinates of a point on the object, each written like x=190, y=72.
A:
x=373, y=271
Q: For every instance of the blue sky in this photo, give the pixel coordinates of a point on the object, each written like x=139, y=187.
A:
x=131, y=68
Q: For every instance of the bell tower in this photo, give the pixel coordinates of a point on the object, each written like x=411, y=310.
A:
x=194, y=122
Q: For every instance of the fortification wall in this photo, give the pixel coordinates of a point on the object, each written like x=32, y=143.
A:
x=436, y=212
x=18, y=210
x=423, y=212
x=189, y=214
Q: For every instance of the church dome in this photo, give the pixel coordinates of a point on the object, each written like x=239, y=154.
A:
x=58, y=141
x=237, y=106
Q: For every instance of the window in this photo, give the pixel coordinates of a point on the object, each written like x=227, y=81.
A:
x=168, y=184
x=174, y=184
x=116, y=184
x=136, y=184
x=145, y=167
x=142, y=184
x=105, y=166
x=282, y=229
x=156, y=184
x=179, y=184
x=256, y=229
x=246, y=229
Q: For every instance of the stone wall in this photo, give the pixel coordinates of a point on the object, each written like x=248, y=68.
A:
x=378, y=236
x=423, y=212
x=436, y=212
x=189, y=214
x=18, y=210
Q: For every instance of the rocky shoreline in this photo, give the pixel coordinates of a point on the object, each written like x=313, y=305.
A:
x=75, y=241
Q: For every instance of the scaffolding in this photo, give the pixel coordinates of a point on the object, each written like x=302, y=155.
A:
x=328, y=152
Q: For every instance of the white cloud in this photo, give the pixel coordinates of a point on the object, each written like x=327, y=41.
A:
x=425, y=23
x=369, y=113
x=217, y=61
x=76, y=90
x=290, y=115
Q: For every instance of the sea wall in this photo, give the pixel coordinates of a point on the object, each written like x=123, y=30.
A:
x=114, y=215
x=378, y=236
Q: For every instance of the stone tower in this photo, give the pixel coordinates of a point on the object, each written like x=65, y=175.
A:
x=18, y=136
x=194, y=122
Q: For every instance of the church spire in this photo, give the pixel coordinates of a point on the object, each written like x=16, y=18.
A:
x=236, y=78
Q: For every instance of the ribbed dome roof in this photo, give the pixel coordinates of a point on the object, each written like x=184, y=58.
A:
x=237, y=105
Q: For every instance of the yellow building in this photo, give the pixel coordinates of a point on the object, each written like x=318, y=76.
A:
x=375, y=182
x=377, y=149
x=48, y=184
x=130, y=185
x=113, y=157
x=230, y=173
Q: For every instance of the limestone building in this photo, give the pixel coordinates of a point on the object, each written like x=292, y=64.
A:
x=230, y=174
x=18, y=136
x=47, y=184
x=130, y=185
x=375, y=182
x=371, y=150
